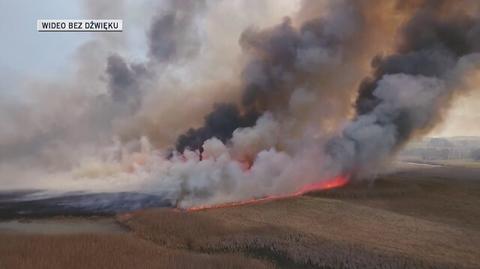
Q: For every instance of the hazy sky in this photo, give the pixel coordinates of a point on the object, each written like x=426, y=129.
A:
x=464, y=118
x=26, y=52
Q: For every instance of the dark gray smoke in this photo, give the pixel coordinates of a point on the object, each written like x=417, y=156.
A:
x=411, y=88
x=281, y=60
x=172, y=36
x=124, y=80
x=173, y=33
x=220, y=123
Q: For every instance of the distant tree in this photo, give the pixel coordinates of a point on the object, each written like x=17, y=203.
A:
x=444, y=154
x=475, y=154
x=440, y=143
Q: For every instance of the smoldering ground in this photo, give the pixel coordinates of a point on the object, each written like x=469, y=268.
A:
x=258, y=107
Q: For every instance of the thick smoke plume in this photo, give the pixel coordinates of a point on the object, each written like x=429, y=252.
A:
x=411, y=89
x=289, y=95
x=282, y=59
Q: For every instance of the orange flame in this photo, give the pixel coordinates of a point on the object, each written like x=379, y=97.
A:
x=332, y=183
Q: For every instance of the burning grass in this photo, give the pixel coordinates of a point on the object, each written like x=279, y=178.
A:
x=397, y=222
x=323, y=185
x=401, y=221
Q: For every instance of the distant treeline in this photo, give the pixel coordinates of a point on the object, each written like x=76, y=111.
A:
x=444, y=149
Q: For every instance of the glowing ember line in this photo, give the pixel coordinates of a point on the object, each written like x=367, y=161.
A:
x=336, y=182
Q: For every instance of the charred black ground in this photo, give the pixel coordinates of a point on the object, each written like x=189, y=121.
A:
x=20, y=204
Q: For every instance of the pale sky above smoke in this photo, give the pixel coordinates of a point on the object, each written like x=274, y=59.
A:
x=26, y=52
x=463, y=119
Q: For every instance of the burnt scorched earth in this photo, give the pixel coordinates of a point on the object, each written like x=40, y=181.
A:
x=17, y=204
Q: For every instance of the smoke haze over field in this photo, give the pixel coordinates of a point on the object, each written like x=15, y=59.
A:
x=224, y=107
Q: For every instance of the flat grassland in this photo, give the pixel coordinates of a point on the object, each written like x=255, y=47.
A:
x=413, y=218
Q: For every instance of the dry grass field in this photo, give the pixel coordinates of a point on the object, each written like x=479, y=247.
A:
x=417, y=218
x=106, y=251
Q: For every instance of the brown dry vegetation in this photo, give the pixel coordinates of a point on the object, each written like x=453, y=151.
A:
x=448, y=195
x=106, y=251
x=332, y=234
x=413, y=219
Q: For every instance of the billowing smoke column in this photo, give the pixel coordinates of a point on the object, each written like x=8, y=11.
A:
x=410, y=89
x=284, y=114
x=282, y=60
x=406, y=96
